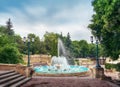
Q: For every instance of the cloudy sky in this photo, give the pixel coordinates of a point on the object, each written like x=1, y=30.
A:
x=39, y=16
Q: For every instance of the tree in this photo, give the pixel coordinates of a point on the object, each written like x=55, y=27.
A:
x=9, y=26
x=51, y=40
x=10, y=54
x=43, y=48
x=68, y=41
x=19, y=43
x=75, y=48
x=36, y=45
x=3, y=30
x=92, y=51
x=68, y=45
x=106, y=25
x=7, y=31
x=83, y=48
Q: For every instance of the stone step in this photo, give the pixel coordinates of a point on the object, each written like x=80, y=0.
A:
x=7, y=84
x=12, y=79
x=6, y=72
x=18, y=84
x=8, y=75
x=117, y=82
x=9, y=78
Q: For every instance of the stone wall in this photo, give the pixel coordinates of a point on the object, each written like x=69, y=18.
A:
x=81, y=74
x=37, y=59
x=5, y=67
x=88, y=61
x=24, y=70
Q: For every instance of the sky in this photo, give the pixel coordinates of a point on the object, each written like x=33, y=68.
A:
x=39, y=16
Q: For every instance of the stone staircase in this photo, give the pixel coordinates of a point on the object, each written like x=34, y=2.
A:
x=117, y=82
x=12, y=79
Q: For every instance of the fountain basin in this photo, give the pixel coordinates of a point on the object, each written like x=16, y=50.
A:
x=73, y=70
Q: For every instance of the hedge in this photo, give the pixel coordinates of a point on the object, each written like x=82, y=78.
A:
x=113, y=66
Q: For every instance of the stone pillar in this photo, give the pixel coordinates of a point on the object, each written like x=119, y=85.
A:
x=29, y=71
x=98, y=72
x=24, y=70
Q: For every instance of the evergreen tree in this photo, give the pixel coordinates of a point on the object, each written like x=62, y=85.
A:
x=68, y=41
x=9, y=26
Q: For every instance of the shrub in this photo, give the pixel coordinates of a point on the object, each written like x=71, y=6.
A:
x=10, y=54
x=109, y=66
x=117, y=67
x=113, y=66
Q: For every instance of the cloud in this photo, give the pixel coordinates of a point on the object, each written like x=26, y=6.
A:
x=35, y=11
x=38, y=19
x=77, y=32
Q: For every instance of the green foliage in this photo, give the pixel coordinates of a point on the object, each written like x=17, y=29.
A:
x=51, y=40
x=75, y=49
x=35, y=47
x=76, y=61
x=113, y=66
x=105, y=25
x=118, y=67
x=92, y=50
x=109, y=66
x=10, y=54
x=3, y=30
x=19, y=43
x=83, y=48
x=68, y=41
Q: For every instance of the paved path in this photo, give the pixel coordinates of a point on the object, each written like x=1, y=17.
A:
x=67, y=82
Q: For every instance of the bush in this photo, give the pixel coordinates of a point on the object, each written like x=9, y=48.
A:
x=117, y=67
x=109, y=66
x=76, y=61
x=10, y=54
x=113, y=66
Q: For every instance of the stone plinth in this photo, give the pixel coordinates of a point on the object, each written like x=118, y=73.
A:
x=80, y=74
x=98, y=72
x=24, y=70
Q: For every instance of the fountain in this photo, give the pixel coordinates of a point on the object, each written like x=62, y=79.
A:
x=60, y=62
x=59, y=65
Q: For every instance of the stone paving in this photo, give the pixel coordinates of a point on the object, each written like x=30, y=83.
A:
x=67, y=82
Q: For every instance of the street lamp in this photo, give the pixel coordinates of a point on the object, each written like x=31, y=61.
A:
x=28, y=46
x=97, y=59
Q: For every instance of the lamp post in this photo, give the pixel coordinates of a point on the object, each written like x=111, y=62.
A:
x=28, y=47
x=97, y=59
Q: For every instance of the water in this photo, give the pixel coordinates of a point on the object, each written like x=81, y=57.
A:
x=54, y=70
x=59, y=65
x=60, y=62
x=61, y=48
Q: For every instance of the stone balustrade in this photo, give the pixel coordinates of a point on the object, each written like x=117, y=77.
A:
x=24, y=70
